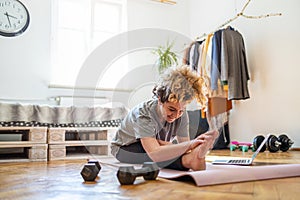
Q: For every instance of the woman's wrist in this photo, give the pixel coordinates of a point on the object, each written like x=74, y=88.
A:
x=191, y=145
x=194, y=143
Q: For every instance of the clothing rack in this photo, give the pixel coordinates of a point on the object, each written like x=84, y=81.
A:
x=216, y=120
x=240, y=14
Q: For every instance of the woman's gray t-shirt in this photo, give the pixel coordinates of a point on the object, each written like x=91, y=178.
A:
x=144, y=121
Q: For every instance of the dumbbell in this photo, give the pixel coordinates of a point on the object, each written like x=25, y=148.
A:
x=127, y=174
x=257, y=141
x=90, y=170
x=286, y=142
x=282, y=143
x=273, y=144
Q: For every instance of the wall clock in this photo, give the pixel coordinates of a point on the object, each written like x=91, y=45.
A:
x=14, y=18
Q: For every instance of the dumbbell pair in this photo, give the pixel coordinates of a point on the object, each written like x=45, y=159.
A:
x=126, y=174
x=273, y=144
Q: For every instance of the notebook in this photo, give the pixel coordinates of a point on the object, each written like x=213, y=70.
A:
x=240, y=161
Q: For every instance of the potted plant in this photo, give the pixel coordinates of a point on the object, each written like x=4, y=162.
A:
x=166, y=57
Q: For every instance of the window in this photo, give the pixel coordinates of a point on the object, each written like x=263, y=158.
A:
x=79, y=26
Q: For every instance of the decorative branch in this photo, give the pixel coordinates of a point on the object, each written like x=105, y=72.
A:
x=239, y=15
x=245, y=6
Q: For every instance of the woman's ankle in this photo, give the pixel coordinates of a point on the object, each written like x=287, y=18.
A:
x=193, y=162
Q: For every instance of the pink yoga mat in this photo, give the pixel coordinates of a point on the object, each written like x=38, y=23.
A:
x=221, y=174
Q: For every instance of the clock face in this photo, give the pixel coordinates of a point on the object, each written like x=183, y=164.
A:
x=14, y=18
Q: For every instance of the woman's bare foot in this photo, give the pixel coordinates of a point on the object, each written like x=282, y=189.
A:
x=195, y=159
x=192, y=160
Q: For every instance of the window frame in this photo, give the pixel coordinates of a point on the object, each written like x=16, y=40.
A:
x=89, y=35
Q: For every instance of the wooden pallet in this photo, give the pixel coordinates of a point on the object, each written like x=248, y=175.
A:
x=62, y=135
x=33, y=134
x=78, y=143
x=23, y=151
x=85, y=150
x=19, y=144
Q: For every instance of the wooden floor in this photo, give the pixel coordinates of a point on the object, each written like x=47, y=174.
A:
x=62, y=180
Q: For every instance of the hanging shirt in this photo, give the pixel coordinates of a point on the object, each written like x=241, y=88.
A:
x=186, y=56
x=234, y=69
x=215, y=59
x=195, y=56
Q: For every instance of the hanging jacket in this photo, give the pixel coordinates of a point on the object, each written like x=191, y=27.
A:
x=234, y=69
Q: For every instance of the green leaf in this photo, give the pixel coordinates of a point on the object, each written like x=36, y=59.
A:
x=166, y=57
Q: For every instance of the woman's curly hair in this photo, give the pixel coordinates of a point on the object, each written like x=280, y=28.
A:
x=181, y=85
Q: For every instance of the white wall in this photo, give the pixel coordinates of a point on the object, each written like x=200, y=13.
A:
x=150, y=14
x=272, y=53
x=163, y=23
x=25, y=59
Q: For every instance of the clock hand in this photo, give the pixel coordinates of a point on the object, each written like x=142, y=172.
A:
x=7, y=18
x=10, y=15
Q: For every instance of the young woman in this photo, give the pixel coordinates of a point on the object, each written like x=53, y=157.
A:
x=157, y=130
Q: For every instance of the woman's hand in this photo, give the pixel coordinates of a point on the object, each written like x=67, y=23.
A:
x=195, y=142
x=209, y=137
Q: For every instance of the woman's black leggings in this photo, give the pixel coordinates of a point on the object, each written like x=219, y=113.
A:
x=136, y=154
